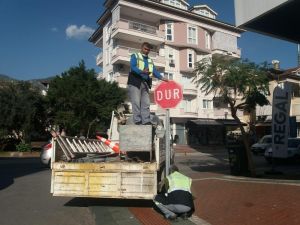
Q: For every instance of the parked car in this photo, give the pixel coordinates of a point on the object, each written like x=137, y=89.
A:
x=46, y=154
x=293, y=150
x=261, y=146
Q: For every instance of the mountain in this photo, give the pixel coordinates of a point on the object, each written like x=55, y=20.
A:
x=43, y=79
x=5, y=77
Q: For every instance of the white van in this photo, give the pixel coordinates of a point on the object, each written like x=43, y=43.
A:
x=261, y=146
x=293, y=150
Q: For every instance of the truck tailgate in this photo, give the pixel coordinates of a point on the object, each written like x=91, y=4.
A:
x=104, y=180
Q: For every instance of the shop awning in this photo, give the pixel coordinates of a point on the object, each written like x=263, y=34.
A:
x=228, y=122
x=215, y=122
x=263, y=124
x=206, y=122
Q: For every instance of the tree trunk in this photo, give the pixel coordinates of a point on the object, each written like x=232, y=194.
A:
x=246, y=144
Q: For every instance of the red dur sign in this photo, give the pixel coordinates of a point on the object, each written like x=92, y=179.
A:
x=168, y=94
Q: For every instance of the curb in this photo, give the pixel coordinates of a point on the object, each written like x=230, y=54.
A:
x=19, y=154
x=252, y=180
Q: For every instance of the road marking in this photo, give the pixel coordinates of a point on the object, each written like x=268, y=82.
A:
x=198, y=221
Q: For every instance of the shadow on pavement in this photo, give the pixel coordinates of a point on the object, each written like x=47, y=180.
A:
x=215, y=160
x=11, y=168
x=86, y=202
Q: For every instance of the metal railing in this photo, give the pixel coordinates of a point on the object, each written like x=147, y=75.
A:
x=141, y=27
x=72, y=147
x=153, y=55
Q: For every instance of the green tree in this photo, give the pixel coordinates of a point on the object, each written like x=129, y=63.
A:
x=77, y=98
x=239, y=83
x=22, y=110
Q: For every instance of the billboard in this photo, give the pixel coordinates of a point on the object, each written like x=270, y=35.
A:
x=280, y=120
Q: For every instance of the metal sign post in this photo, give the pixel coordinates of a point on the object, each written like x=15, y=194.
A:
x=168, y=95
x=168, y=152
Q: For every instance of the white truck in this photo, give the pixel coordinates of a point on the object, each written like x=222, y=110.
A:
x=88, y=168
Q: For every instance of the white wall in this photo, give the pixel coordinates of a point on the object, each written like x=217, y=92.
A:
x=246, y=10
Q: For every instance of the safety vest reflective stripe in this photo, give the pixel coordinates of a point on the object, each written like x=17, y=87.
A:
x=141, y=63
x=178, y=181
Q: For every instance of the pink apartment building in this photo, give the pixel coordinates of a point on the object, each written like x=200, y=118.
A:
x=180, y=35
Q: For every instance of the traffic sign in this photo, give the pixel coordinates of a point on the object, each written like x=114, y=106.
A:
x=168, y=94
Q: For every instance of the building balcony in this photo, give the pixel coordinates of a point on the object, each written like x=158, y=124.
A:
x=134, y=31
x=197, y=47
x=187, y=113
x=99, y=59
x=232, y=54
x=182, y=113
x=100, y=76
x=121, y=55
x=187, y=70
x=121, y=79
x=189, y=90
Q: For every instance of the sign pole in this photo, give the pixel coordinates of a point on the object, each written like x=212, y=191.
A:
x=168, y=95
x=168, y=135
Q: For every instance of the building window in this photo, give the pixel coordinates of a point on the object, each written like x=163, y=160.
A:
x=175, y=3
x=110, y=77
x=170, y=57
x=186, y=104
x=170, y=76
x=207, y=104
x=192, y=35
x=169, y=31
x=190, y=59
x=207, y=40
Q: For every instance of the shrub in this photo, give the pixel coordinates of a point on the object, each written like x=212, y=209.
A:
x=22, y=147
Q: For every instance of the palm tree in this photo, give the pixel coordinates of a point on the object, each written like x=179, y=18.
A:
x=239, y=83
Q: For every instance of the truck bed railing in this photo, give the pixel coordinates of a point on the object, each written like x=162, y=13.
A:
x=76, y=147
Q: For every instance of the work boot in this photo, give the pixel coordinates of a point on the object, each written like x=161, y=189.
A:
x=171, y=217
x=184, y=216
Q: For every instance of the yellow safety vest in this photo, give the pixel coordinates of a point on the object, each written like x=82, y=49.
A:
x=178, y=181
x=141, y=63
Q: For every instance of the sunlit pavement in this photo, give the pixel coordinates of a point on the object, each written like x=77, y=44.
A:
x=223, y=199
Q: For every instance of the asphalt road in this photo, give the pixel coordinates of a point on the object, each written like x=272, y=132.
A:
x=25, y=197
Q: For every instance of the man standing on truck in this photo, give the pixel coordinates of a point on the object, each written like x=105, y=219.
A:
x=177, y=199
x=139, y=84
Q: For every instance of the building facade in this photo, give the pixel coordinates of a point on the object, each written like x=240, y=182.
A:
x=180, y=35
x=275, y=18
x=289, y=77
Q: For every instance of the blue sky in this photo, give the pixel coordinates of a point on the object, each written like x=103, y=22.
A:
x=39, y=38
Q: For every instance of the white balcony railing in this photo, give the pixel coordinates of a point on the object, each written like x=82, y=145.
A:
x=188, y=112
x=189, y=89
x=125, y=53
x=232, y=53
x=99, y=58
x=129, y=25
x=142, y=27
